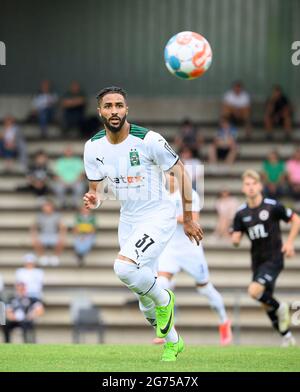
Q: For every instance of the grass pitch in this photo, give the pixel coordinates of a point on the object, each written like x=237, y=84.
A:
x=138, y=358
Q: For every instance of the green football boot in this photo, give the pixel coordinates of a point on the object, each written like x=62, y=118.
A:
x=171, y=350
x=165, y=317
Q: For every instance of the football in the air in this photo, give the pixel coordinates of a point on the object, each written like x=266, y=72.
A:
x=188, y=55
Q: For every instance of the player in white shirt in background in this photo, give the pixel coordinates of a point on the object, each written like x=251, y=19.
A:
x=131, y=160
x=182, y=254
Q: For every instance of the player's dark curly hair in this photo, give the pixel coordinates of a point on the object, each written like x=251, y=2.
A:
x=109, y=90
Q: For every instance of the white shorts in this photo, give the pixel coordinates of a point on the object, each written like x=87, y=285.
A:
x=143, y=242
x=187, y=256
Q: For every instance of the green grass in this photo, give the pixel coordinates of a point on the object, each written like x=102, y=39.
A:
x=138, y=358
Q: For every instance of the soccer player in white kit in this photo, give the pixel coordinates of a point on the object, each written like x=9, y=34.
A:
x=131, y=160
x=182, y=254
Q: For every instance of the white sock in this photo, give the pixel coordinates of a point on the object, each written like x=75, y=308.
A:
x=164, y=282
x=215, y=300
x=141, y=281
x=172, y=336
x=147, y=307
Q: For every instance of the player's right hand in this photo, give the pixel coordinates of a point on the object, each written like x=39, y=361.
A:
x=193, y=230
x=90, y=200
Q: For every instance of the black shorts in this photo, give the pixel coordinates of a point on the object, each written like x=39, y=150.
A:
x=267, y=273
x=222, y=153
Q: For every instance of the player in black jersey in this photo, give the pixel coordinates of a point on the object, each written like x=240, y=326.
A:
x=260, y=219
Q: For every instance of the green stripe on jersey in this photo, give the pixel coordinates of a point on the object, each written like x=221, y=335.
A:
x=135, y=130
x=99, y=135
x=138, y=131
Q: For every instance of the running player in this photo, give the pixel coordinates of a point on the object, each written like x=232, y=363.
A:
x=259, y=218
x=182, y=254
x=132, y=160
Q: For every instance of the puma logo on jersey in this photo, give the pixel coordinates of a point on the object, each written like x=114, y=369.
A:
x=100, y=160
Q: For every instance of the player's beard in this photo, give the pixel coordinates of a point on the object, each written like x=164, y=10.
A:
x=111, y=127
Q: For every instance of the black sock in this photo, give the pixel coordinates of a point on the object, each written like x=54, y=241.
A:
x=274, y=319
x=268, y=300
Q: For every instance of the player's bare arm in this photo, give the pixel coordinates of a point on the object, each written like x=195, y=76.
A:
x=236, y=237
x=191, y=228
x=92, y=198
x=195, y=216
x=288, y=247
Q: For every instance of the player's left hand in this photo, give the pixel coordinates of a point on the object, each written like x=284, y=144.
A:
x=288, y=249
x=193, y=230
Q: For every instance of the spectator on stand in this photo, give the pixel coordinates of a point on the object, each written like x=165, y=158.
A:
x=237, y=106
x=293, y=175
x=224, y=146
x=12, y=144
x=48, y=232
x=273, y=176
x=73, y=106
x=189, y=136
x=278, y=113
x=31, y=276
x=69, y=176
x=84, y=230
x=39, y=175
x=226, y=206
x=21, y=312
x=44, y=106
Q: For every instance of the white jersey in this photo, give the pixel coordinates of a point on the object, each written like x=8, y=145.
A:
x=133, y=170
x=180, y=253
x=180, y=235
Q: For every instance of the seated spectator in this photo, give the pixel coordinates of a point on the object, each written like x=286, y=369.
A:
x=278, y=112
x=44, y=106
x=226, y=206
x=12, y=144
x=236, y=106
x=69, y=176
x=84, y=230
x=189, y=137
x=224, y=147
x=21, y=312
x=273, y=176
x=48, y=232
x=31, y=276
x=293, y=175
x=193, y=166
x=73, y=105
x=38, y=175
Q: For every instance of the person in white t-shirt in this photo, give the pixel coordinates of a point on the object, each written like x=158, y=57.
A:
x=237, y=106
x=182, y=254
x=132, y=161
x=32, y=277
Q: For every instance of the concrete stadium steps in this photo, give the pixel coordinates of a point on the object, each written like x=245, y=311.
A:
x=229, y=268
x=106, y=220
x=224, y=258
x=250, y=150
x=105, y=239
x=132, y=317
x=130, y=335
x=27, y=203
x=95, y=278
x=10, y=184
x=145, y=109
